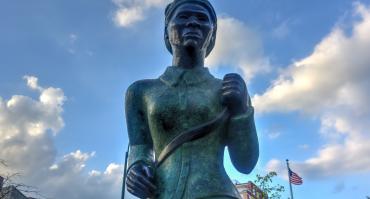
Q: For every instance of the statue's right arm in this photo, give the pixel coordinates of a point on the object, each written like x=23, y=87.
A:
x=141, y=145
x=140, y=173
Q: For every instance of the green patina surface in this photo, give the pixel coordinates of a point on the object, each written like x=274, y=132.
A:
x=157, y=110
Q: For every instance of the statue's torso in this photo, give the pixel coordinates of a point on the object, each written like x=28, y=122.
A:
x=195, y=169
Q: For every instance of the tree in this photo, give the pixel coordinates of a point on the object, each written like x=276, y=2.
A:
x=9, y=181
x=265, y=183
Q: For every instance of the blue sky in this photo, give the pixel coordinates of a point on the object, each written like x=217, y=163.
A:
x=65, y=66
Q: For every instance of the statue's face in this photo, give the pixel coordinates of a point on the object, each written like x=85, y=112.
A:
x=190, y=26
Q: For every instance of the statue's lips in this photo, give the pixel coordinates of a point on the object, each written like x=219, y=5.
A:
x=193, y=34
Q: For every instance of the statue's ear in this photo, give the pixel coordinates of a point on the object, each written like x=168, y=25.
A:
x=211, y=44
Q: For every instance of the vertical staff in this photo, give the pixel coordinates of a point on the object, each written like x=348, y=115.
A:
x=290, y=182
x=125, y=173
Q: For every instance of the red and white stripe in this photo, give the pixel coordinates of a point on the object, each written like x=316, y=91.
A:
x=295, y=178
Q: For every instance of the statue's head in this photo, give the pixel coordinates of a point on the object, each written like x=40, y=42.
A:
x=190, y=23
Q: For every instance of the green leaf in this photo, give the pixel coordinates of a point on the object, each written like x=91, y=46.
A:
x=266, y=184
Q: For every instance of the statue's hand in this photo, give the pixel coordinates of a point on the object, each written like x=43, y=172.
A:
x=234, y=94
x=140, y=180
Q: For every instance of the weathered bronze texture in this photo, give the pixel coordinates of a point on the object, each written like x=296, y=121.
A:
x=185, y=96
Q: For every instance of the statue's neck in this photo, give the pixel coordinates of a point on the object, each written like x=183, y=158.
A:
x=188, y=59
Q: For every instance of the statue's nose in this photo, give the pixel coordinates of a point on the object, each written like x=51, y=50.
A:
x=193, y=21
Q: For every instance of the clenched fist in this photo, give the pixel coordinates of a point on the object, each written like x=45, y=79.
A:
x=234, y=94
x=140, y=181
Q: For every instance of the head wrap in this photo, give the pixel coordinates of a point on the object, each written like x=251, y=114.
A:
x=170, y=9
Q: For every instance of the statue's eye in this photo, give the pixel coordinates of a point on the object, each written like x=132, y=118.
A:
x=202, y=18
x=182, y=16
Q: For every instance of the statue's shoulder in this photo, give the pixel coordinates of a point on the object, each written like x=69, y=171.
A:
x=139, y=87
x=216, y=82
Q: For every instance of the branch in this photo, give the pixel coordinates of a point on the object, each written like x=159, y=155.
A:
x=265, y=183
x=23, y=188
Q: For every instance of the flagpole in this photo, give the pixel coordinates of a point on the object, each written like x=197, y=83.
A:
x=290, y=183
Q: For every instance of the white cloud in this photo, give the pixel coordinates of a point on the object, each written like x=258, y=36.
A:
x=282, y=30
x=130, y=12
x=238, y=46
x=27, y=127
x=72, y=41
x=333, y=84
x=277, y=166
x=333, y=75
x=23, y=116
x=73, y=38
x=304, y=146
x=128, y=16
x=32, y=82
x=68, y=178
x=274, y=135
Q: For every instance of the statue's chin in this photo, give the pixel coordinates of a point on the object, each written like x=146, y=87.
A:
x=192, y=46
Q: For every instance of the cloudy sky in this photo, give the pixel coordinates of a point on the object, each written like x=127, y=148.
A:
x=65, y=66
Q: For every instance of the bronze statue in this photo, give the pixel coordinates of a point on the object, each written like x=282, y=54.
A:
x=180, y=123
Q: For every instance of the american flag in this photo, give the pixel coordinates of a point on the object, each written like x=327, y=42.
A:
x=294, y=178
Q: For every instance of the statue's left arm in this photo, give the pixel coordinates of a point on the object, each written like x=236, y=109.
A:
x=242, y=141
x=241, y=136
